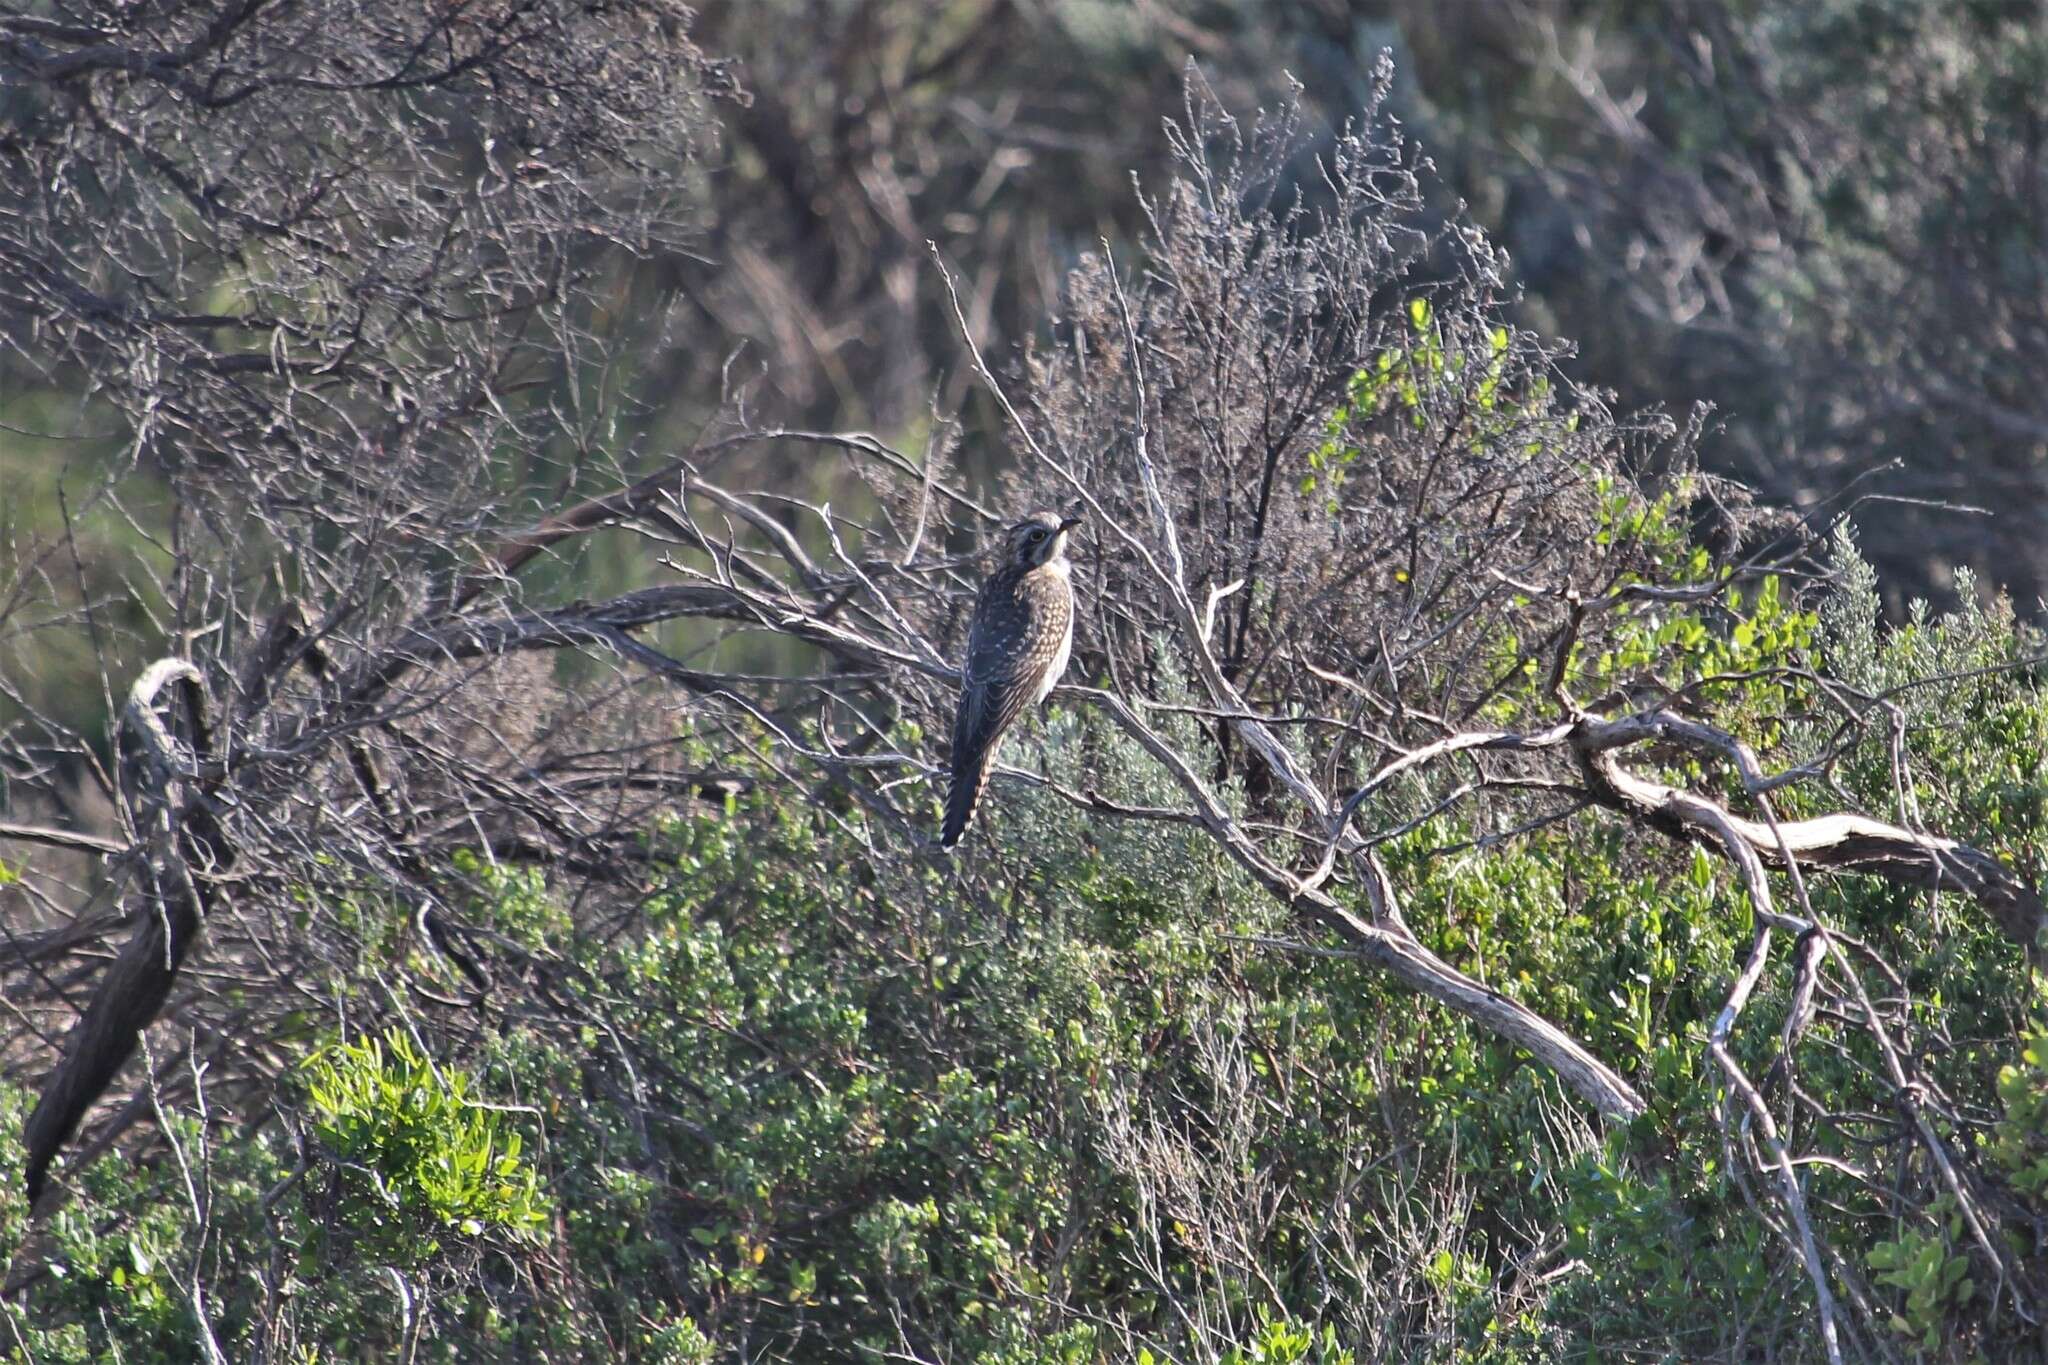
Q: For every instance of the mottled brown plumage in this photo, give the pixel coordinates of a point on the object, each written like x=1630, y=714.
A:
x=1017, y=647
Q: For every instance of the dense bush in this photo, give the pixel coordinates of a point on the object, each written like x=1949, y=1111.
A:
x=821, y=1106
x=1369, y=954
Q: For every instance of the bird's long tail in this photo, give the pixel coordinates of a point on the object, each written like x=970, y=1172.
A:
x=970, y=780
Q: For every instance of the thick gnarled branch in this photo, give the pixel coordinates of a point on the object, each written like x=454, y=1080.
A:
x=1843, y=842
x=185, y=853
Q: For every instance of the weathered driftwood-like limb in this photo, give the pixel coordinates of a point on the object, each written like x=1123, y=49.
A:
x=184, y=852
x=1842, y=842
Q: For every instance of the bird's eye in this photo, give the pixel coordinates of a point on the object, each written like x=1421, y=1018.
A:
x=1038, y=535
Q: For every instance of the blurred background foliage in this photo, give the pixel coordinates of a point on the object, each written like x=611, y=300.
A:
x=1093, y=1117
x=1829, y=221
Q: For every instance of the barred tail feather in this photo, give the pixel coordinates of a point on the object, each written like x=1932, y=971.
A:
x=964, y=795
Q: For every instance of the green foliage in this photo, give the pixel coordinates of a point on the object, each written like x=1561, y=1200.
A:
x=118, y=1257
x=1935, y=1277
x=678, y=1343
x=2019, y=1144
x=1283, y=1342
x=414, y=1159
x=512, y=900
x=819, y=1100
x=1426, y=368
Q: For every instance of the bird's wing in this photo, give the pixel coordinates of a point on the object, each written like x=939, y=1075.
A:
x=986, y=710
x=1004, y=668
x=1003, y=671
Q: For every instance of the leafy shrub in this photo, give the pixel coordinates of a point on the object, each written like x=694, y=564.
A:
x=412, y=1158
x=794, y=1090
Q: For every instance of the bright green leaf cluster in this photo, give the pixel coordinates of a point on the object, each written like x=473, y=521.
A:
x=414, y=1158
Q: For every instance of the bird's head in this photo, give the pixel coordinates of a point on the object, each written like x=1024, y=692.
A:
x=1039, y=539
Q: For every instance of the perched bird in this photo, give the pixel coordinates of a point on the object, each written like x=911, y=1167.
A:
x=1017, y=647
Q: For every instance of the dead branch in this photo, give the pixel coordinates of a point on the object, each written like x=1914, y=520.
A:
x=186, y=855
x=1842, y=842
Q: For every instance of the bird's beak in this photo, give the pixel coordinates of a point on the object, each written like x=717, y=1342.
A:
x=1070, y=523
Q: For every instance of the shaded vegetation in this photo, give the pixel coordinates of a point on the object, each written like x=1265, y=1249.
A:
x=1489, y=890
x=819, y=1108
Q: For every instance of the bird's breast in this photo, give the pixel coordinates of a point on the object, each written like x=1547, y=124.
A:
x=1061, y=652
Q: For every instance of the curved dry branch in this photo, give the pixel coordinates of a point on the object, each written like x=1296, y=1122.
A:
x=1389, y=944
x=1749, y=867
x=185, y=852
x=1841, y=842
